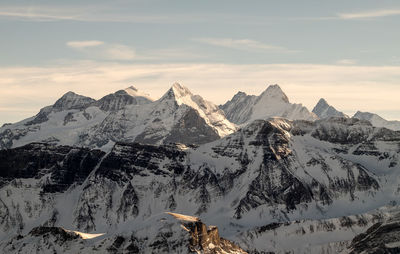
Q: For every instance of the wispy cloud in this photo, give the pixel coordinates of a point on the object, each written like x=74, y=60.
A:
x=95, y=49
x=96, y=13
x=100, y=49
x=346, y=61
x=84, y=44
x=369, y=14
x=171, y=54
x=241, y=44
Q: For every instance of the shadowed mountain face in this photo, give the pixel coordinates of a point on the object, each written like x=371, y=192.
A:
x=273, y=171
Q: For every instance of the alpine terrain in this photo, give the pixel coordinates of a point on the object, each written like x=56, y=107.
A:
x=324, y=110
x=127, y=115
x=378, y=121
x=129, y=174
x=243, y=108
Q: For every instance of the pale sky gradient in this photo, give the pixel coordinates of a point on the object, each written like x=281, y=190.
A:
x=345, y=51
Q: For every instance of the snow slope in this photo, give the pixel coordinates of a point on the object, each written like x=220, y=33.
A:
x=126, y=115
x=273, y=102
x=377, y=121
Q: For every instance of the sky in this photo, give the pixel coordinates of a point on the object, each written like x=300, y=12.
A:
x=346, y=51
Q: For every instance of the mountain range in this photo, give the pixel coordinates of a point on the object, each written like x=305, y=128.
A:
x=177, y=117
x=129, y=174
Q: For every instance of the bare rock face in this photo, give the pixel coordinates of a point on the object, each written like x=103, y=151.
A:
x=205, y=239
x=382, y=237
x=270, y=171
x=66, y=165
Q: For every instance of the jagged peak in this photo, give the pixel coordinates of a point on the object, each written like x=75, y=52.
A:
x=180, y=90
x=322, y=101
x=324, y=110
x=275, y=91
x=240, y=93
x=176, y=92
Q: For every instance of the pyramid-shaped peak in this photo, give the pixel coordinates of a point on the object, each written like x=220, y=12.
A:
x=275, y=91
x=322, y=101
x=324, y=110
x=177, y=91
x=180, y=90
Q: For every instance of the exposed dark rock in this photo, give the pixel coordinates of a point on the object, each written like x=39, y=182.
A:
x=380, y=238
x=67, y=165
x=205, y=239
x=60, y=234
x=191, y=129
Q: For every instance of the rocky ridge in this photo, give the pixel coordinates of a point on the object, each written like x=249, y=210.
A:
x=271, y=171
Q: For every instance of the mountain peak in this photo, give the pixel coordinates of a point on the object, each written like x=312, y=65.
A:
x=71, y=100
x=180, y=90
x=322, y=101
x=275, y=91
x=324, y=110
x=272, y=102
x=176, y=92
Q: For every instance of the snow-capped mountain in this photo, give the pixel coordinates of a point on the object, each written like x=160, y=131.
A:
x=122, y=98
x=270, y=171
x=126, y=115
x=273, y=102
x=324, y=110
x=377, y=121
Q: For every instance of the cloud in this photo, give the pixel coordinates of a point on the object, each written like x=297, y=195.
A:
x=91, y=13
x=346, y=61
x=348, y=88
x=241, y=44
x=84, y=44
x=369, y=14
x=99, y=49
